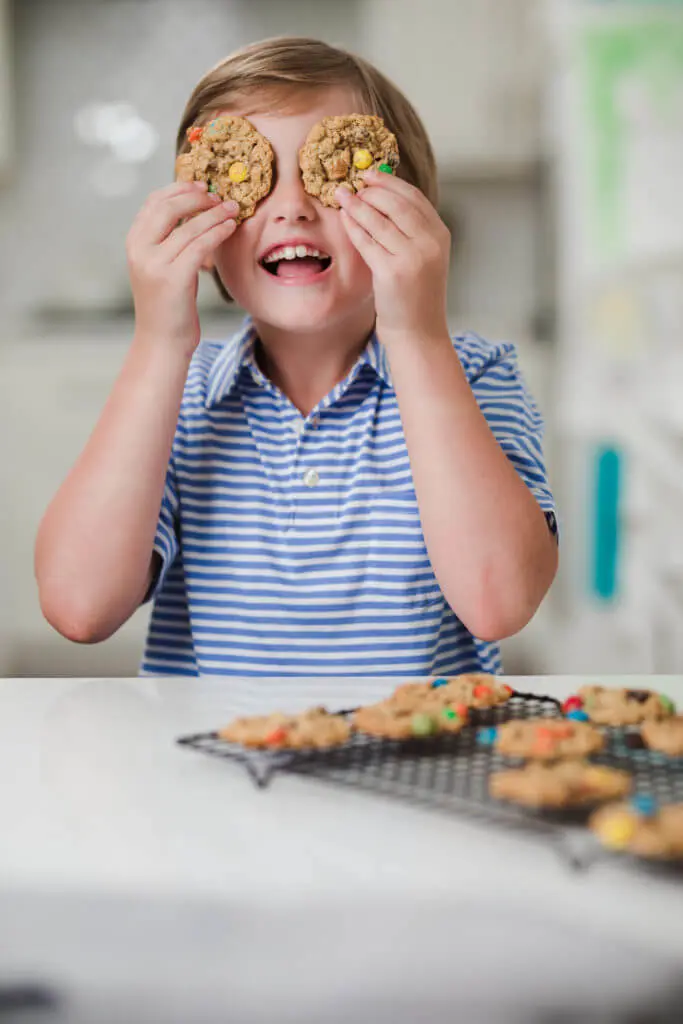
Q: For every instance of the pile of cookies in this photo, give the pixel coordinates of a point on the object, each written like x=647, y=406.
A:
x=413, y=710
x=558, y=776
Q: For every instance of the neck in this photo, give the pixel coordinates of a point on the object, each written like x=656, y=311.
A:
x=305, y=366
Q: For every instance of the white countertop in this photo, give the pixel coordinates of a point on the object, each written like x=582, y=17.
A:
x=105, y=819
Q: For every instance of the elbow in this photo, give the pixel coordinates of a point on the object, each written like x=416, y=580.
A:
x=75, y=621
x=498, y=612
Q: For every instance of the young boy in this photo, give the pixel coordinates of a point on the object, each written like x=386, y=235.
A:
x=344, y=489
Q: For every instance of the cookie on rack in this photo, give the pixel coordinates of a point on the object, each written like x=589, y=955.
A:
x=388, y=720
x=641, y=827
x=545, y=739
x=562, y=784
x=232, y=157
x=665, y=735
x=315, y=728
x=473, y=689
x=606, y=705
x=338, y=151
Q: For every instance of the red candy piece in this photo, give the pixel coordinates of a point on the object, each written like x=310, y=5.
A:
x=481, y=690
x=572, y=704
x=508, y=689
x=195, y=133
x=462, y=710
x=276, y=737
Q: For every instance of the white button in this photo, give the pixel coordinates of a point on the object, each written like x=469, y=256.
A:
x=298, y=427
x=311, y=477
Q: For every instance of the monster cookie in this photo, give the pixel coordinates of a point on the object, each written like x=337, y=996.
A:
x=565, y=784
x=606, y=706
x=390, y=721
x=314, y=728
x=665, y=735
x=547, y=739
x=474, y=689
x=233, y=158
x=641, y=828
x=338, y=150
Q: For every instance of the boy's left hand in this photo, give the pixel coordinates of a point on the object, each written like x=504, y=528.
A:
x=406, y=245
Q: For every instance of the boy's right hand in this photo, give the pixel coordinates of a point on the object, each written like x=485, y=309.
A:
x=165, y=257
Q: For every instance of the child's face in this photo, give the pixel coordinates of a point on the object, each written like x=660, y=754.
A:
x=309, y=294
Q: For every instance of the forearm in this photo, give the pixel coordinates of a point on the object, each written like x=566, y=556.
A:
x=94, y=545
x=486, y=536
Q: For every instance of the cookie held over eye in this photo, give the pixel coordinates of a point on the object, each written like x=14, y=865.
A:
x=233, y=158
x=340, y=149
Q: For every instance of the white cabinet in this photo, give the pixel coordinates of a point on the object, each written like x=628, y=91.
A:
x=472, y=68
x=5, y=89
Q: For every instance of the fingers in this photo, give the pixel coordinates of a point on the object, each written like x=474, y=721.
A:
x=382, y=230
x=166, y=207
x=196, y=253
x=407, y=217
x=198, y=225
x=371, y=251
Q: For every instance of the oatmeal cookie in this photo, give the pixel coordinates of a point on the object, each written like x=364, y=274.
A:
x=392, y=721
x=547, y=739
x=641, y=828
x=665, y=735
x=233, y=158
x=339, y=149
x=564, y=784
x=473, y=689
x=314, y=728
x=611, y=706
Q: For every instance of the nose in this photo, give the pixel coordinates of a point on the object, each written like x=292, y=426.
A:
x=289, y=202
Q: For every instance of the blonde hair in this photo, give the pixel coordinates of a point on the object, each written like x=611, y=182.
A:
x=281, y=69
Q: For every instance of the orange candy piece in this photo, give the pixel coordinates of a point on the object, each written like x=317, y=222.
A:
x=194, y=134
x=481, y=690
x=276, y=737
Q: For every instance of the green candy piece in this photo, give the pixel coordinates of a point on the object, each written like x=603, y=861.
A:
x=423, y=725
x=386, y=168
x=451, y=714
x=667, y=704
x=212, y=187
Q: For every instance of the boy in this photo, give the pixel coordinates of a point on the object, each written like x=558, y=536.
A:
x=344, y=489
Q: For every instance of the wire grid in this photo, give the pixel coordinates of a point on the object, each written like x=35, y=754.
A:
x=452, y=771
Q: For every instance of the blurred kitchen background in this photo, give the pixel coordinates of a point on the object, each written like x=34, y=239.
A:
x=558, y=127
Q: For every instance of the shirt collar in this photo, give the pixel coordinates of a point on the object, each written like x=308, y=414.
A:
x=239, y=352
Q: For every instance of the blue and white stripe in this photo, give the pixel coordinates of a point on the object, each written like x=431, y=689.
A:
x=293, y=546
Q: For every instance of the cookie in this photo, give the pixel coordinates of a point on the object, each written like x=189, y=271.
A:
x=473, y=689
x=641, y=828
x=233, y=158
x=610, y=706
x=314, y=728
x=547, y=739
x=338, y=150
x=391, y=721
x=665, y=735
x=564, y=784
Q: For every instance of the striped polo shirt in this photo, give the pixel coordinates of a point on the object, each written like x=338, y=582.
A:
x=292, y=545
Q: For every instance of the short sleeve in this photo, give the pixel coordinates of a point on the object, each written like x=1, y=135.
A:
x=166, y=538
x=511, y=413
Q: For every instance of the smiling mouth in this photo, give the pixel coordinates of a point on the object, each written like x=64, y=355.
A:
x=296, y=262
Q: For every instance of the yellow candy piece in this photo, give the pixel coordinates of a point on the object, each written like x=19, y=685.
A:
x=617, y=831
x=238, y=172
x=362, y=159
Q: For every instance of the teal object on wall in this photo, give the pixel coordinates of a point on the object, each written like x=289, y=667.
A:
x=606, y=546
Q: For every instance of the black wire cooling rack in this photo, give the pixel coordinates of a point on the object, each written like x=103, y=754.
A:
x=451, y=771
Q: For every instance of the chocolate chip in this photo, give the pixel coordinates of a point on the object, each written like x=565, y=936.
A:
x=640, y=695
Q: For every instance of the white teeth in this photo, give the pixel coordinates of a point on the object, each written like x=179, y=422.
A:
x=293, y=252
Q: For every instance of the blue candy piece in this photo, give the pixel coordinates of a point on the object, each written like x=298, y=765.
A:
x=644, y=805
x=487, y=736
x=577, y=716
x=439, y=682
